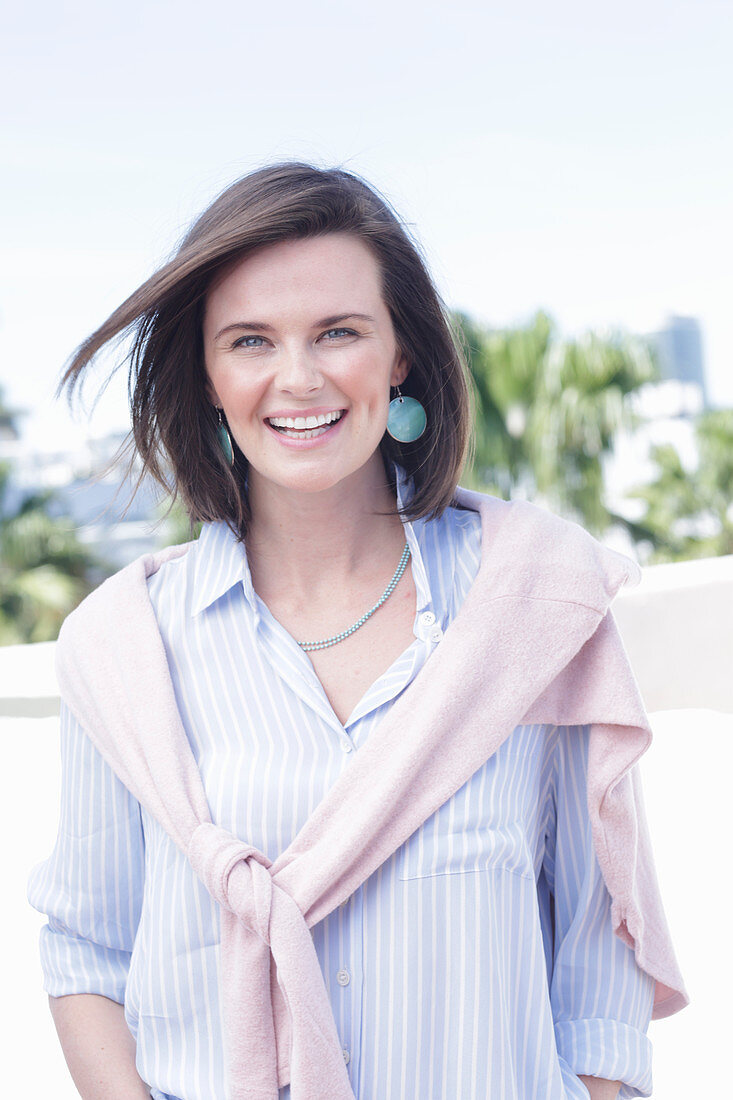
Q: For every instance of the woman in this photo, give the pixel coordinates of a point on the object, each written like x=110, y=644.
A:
x=311, y=837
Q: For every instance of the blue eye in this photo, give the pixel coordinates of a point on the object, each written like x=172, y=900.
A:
x=242, y=342
x=342, y=331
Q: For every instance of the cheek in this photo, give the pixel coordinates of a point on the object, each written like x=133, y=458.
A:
x=368, y=380
x=239, y=390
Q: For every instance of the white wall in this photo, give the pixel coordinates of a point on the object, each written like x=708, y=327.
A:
x=33, y=1064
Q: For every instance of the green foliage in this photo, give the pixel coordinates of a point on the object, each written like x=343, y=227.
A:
x=548, y=411
x=505, y=368
x=689, y=514
x=175, y=525
x=44, y=570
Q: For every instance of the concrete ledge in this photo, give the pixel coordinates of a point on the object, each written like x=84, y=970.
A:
x=28, y=687
x=677, y=627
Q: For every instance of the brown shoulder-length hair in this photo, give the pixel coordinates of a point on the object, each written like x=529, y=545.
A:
x=173, y=422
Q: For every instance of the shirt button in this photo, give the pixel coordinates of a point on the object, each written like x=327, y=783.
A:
x=346, y=745
x=343, y=977
x=346, y=1055
x=427, y=618
x=436, y=634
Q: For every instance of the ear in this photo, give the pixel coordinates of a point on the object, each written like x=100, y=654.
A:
x=400, y=371
x=212, y=395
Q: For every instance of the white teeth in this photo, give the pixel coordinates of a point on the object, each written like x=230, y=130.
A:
x=305, y=422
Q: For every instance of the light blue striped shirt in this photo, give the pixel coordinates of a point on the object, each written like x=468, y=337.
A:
x=478, y=961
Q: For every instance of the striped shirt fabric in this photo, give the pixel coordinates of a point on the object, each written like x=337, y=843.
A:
x=477, y=962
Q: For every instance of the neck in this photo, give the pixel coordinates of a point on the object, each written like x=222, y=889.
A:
x=306, y=541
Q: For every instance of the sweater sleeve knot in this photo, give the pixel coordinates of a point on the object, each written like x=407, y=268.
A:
x=235, y=874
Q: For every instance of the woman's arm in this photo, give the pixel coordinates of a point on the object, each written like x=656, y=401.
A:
x=91, y=888
x=600, y=1088
x=98, y=1047
x=601, y=1000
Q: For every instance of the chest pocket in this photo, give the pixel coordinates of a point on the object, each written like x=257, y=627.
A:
x=489, y=824
x=431, y=852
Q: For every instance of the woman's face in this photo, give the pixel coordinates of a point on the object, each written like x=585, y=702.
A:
x=300, y=353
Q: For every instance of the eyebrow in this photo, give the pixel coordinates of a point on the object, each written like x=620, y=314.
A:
x=260, y=326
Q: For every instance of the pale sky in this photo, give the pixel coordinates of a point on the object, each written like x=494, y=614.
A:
x=570, y=156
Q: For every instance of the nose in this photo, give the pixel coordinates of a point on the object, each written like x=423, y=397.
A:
x=298, y=374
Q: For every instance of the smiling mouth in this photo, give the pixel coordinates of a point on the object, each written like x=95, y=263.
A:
x=305, y=427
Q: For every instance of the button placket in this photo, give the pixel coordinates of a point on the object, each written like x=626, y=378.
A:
x=429, y=629
x=350, y=978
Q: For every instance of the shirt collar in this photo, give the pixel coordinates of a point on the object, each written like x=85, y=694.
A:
x=220, y=563
x=414, y=534
x=221, y=560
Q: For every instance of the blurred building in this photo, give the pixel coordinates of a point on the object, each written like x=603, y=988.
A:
x=89, y=485
x=679, y=354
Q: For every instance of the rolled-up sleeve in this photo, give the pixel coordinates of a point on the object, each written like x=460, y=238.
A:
x=91, y=885
x=601, y=999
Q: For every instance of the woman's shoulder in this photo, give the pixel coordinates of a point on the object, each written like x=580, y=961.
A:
x=524, y=516
x=515, y=512
x=530, y=550
x=169, y=570
x=116, y=597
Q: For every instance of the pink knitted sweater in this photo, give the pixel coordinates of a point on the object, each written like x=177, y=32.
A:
x=533, y=642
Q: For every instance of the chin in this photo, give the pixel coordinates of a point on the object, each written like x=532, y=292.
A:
x=313, y=482
x=318, y=477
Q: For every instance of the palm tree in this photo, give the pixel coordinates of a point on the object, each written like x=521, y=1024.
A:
x=506, y=369
x=549, y=410
x=584, y=406
x=689, y=514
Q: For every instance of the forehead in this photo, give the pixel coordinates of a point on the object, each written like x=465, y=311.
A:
x=323, y=274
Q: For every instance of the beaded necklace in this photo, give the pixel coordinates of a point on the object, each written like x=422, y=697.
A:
x=360, y=622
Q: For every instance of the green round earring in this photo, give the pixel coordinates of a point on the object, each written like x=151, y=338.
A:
x=406, y=420
x=225, y=440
